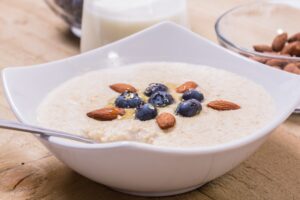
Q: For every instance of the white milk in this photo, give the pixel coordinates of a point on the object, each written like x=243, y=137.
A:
x=105, y=21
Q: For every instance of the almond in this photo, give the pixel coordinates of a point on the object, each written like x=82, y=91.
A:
x=295, y=37
x=165, y=120
x=121, y=111
x=223, y=105
x=292, y=48
x=287, y=49
x=186, y=86
x=276, y=62
x=279, y=42
x=106, y=114
x=293, y=68
x=295, y=48
x=122, y=87
x=262, y=48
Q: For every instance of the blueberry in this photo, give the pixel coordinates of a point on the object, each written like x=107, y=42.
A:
x=155, y=87
x=193, y=94
x=161, y=99
x=128, y=100
x=145, y=112
x=189, y=108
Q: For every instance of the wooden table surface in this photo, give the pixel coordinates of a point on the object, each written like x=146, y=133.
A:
x=30, y=34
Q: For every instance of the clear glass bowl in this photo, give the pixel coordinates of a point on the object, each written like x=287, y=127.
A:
x=258, y=23
x=70, y=11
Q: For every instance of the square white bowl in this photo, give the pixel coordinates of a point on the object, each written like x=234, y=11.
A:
x=128, y=166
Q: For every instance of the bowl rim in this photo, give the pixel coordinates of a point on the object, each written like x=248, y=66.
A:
x=225, y=41
x=245, y=140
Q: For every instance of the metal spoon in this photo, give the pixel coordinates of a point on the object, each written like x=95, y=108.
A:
x=42, y=131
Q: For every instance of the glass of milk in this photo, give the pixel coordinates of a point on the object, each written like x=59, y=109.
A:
x=105, y=21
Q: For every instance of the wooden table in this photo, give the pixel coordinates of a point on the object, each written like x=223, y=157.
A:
x=30, y=34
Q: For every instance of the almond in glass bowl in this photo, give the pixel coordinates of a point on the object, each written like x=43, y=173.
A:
x=264, y=32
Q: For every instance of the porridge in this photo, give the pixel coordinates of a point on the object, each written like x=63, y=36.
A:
x=188, y=106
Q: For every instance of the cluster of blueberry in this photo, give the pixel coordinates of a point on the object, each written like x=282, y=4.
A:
x=159, y=97
x=191, y=104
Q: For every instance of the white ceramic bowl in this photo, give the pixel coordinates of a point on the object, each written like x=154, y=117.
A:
x=139, y=168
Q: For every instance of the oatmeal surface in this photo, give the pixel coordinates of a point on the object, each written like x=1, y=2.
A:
x=65, y=107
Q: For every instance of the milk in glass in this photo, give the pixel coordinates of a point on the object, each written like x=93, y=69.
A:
x=105, y=21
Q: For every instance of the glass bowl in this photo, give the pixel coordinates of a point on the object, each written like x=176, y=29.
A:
x=70, y=11
x=258, y=23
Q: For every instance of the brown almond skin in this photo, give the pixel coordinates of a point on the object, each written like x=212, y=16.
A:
x=262, y=48
x=287, y=49
x=292, y=67
x=106, y=114
x=165, y=120
x=295, y=37
x=295, y=49
x=186, y=86
x=276, y=62
x=122, y=87
x=223, y=105
x=279, y=42
x=292, y=49
x=121, y=111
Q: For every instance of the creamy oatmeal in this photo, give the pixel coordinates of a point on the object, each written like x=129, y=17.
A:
x=65, y=107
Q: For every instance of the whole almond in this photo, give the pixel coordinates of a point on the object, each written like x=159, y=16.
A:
x=277, y=62
x=186, y=86
x=262, y=48
x=259, y=59
x=122, y=87
x=292, y=48
x=293, y=68
x=279, y=42
x=106, y=114
x=295, y=37
x=287, y=49
x=165, y=120
x=295, y=49
x=223, y=105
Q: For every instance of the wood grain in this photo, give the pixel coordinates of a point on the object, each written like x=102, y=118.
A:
x=30, y=34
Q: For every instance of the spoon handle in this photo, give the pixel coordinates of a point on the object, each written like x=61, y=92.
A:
x=41, y=131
